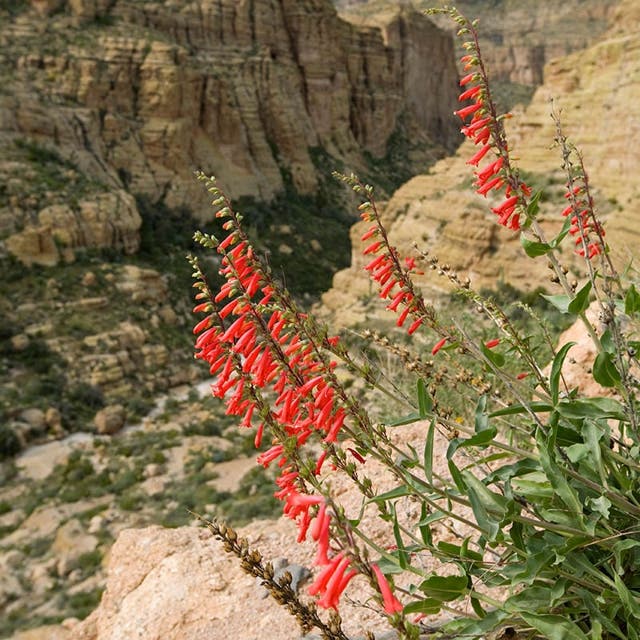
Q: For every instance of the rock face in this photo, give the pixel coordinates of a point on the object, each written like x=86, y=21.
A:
x=170, y=584
x=518, y=38
x=441, y=213
x=104, y=99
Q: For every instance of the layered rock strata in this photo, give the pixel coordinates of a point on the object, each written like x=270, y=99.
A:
x=598, y=92
x=133, y=97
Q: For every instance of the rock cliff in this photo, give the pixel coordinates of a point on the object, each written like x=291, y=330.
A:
x=106, y=98
x=520, y=38
x=598, y=90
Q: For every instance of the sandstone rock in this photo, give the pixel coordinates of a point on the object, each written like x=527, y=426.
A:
x=152, y=470
x=47, y=7
x=10, y=588
x=40, y=578
x=108, y=220
x=440, y=212
x=142, y=285
x=10, y=520
x=47, y=632
x=53, y=418
x=35, y=418
x=11, y=560
x=70, y=543
x=168, y=315
x=19, y=342
x=96, y=524
x=154, y=485
x=38, y=462
x=43, y=523
x=110, y=419
x=89, y=279
x=245, y=92
x=158, y=579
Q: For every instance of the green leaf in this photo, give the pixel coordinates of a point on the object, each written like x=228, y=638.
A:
x=531, y=599
x=480, y=439
x=581, y=299
x=428, y=452
x=631, y=301
x=477, y=607
x=409, y=419
x=600, y=505
x=563, y=232
x=591, y=408
x=493, y=356
x=536, y=407
x=423, y=526
x=425, y=403
x=481, y=417
x=556, y=370
x=534, y=249
x=444, y=588
x=398, y=492
x=555, y=474
x=428, y=606
x=534, y=204
x=533, y=486
x=554, y=627
x=471, y=628
x=456, y=551
x=456, y=475
x=403, y=556
x=605, y=372
x=629, y=600
x=561, y=303
x=606, y=340
x=488, y=508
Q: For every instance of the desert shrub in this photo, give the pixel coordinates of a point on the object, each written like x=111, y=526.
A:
x=9, y=441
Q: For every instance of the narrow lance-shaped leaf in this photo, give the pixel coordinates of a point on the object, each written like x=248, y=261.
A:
x=428, y=452
x=556, y=371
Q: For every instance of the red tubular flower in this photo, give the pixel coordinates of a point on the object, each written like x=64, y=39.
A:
x=336, y=584
x=467, y=111
x=496, y=183
x=414, y=326
x=469, y=93
x=490, y=344
x=467, y=79
x=266, y=458
x=438, y=346
x=391, y=604
x=479, y=155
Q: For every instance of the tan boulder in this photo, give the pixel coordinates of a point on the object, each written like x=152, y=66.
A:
x=47, y=632
x=110, y=419
x=107, y=220
x=70, y=543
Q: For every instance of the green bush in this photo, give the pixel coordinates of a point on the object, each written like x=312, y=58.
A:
x=9, y=442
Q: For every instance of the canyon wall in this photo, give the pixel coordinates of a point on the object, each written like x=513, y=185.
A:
x=115, y=97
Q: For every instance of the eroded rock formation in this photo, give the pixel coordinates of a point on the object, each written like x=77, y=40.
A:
x=598, y=90
x=135, y=96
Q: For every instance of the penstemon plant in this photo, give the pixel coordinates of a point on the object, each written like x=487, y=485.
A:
x=539, y=489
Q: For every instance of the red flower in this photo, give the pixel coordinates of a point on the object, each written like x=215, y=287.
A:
x=438, y=346
x=391, y=604
x=332, y=581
